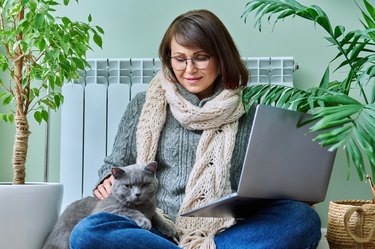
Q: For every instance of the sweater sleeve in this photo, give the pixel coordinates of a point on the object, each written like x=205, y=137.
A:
x=124, y=147
x=244, y=126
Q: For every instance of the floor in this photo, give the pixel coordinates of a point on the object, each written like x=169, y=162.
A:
x=323, y=242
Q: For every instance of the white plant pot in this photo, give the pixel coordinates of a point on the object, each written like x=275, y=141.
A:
x=28, y=213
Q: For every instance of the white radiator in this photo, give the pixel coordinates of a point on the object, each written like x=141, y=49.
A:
x=93, y=107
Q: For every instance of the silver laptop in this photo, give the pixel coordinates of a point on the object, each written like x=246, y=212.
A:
x=281, y=162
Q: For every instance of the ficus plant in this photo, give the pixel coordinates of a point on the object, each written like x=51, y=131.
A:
x=39, y=52
x=344, y=120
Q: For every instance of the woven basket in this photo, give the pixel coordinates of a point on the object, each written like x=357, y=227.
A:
x=351, y=224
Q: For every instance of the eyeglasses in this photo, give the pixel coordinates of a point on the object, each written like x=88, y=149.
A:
x=200, y=62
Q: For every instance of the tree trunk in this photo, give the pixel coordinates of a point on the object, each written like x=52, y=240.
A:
x=20, y=149
x=21, y=140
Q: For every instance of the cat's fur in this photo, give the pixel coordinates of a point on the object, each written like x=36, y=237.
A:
x=132, y=194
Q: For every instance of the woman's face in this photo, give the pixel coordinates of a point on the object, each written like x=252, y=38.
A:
x=195, y=80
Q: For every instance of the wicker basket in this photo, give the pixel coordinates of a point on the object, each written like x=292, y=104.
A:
x=351, y=224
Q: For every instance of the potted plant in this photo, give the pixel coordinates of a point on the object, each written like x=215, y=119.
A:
x=345, y=120
x=39, y=53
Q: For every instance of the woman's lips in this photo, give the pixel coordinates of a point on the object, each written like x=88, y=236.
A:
x=193, y=80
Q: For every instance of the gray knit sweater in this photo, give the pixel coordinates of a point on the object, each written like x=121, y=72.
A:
x=176, y=151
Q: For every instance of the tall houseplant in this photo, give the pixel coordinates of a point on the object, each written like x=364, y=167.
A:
x=346, y=121
x=41, y=51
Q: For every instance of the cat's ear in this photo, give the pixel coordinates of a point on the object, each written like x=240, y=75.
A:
x=151, y=167
x=117, y=172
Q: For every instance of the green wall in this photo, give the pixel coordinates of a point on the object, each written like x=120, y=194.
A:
x=133, y=28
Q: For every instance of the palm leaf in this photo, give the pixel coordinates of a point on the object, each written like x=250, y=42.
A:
x=284, y=97
x=370, y=9
x=325, y=80
x=334, y=138
x=355, y=156
x=285, y=9
x=365, y=142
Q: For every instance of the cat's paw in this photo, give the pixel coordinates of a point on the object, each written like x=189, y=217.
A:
x=144, y=223
x=164, y=224
x=168, y=229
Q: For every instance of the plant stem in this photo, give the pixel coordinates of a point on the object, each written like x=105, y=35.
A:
x=20, y=149
x=22, y=126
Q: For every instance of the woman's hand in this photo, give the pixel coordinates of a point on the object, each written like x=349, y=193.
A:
x=102, y=191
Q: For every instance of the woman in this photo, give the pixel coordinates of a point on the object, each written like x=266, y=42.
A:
x=192, y=122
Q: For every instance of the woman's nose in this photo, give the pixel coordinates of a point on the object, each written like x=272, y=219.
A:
x=190, y=67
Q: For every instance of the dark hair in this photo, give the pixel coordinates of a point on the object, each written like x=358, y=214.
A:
x=203, y=29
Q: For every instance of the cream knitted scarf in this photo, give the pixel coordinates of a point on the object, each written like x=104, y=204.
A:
x=209, y=178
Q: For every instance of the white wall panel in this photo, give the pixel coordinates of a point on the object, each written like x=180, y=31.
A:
x=94, y=143
x=71, y=155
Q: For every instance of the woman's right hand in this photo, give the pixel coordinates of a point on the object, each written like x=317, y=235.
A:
x=102, y=190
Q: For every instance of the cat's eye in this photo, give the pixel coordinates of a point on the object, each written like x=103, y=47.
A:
x=145, y=185
x=128, y=185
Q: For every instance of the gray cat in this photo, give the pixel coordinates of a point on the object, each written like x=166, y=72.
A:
x=132, y=194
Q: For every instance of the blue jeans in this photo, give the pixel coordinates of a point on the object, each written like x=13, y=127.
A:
x=277, y=225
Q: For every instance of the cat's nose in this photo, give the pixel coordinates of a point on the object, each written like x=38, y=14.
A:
x=138, y=194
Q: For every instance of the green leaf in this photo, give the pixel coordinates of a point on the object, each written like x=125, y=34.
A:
x=98, y=40
x=3, y=94
x=370, y=9
x=48, y=102
x=368, y=20
x=270, y=95
x=339, y=99
x=41, y=44
x=38, y=116
x=366, y=143
x=327, y=116
x=66, y=21
x=331, y=124
x=89, y=18
x=16, y=9
x=284, y=97
x=57, y=100
x=100, y=29
x=53, y=3
x=339, y=30
x=4, y=66
x=367, y=121
x=51, y=82
x=285, y=14
x=59, y=82
x=16, y=44
x=325, y=80
x=38, y=21
x=33, y=5
x=352, y=44
x=250, y=93
x=277, y=94
x=7, y=100
x=356, y=157
x=79, y=63
x=356, y=50
x=334, y=138
x=10, y=117
x=44, y=115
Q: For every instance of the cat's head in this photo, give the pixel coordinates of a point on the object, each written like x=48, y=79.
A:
x=135, y=184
